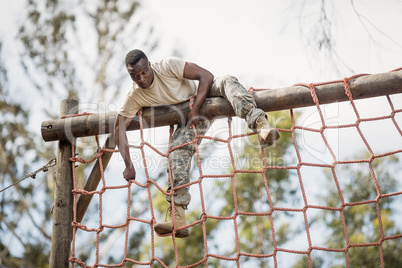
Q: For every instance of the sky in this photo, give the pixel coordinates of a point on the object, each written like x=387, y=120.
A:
x=265, y=43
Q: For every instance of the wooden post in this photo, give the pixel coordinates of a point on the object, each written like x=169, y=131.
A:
x=63, y=197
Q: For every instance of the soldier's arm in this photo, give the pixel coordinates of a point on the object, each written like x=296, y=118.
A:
x=205, y=78
x=120, y=127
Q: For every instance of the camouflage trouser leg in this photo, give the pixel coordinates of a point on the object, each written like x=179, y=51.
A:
x=241, y=100
x=180, y=160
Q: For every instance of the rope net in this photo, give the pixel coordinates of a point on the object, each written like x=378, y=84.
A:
x=278, y=252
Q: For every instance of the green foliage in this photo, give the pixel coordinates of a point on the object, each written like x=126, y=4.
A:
x=35, y=255
x=257, y=193
x=362, y=223
x=100, y=34
x=304, y=262
x=62, y=59
x=45, y=39
x=16, y=142
x=191, y=249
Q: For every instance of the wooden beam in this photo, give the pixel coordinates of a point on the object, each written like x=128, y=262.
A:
x=94, y=178
x=269, y=100
x=63, y=198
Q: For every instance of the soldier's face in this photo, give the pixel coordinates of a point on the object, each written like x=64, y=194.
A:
x=141, y=73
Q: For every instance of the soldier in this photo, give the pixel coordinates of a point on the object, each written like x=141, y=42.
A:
x=172, y=81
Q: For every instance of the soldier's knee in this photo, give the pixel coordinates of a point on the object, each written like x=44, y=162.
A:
x=184, y=154
x=229, y=79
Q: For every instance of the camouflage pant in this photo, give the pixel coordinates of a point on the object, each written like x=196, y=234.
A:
x=243, y=105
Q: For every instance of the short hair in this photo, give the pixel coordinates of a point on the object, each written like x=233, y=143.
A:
x=135, y=56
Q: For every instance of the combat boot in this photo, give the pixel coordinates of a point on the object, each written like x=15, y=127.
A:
x=267, y=135
x=167, y=227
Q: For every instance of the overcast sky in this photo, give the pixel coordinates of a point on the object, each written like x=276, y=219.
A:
x=264, y=43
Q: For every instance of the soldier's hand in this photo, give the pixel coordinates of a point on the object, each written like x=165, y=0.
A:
x=129, y=173
x=193, y=118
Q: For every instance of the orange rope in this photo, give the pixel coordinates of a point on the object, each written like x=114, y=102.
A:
x=234, y=218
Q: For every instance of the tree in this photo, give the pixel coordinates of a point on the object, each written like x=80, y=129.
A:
x=318, y=27
x=361, y=221
x=94, y=66
x=252, y=193
x=17, y=145
x=92, y=71
x=62, y=59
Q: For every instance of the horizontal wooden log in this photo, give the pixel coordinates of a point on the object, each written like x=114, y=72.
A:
x=269, y=100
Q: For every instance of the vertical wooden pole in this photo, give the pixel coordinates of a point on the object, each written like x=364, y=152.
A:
x=63, y=197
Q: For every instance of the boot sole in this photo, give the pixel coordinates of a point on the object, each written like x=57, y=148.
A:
x=161, y=230
x=179, y=233
x=182, y=233
x=273, y=135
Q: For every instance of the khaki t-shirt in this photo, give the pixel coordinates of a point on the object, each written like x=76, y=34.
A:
x=169, y=87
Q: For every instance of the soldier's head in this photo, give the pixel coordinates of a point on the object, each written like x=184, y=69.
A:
x=139, y=68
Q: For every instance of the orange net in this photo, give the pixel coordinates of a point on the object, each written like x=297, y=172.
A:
x=266, y=215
